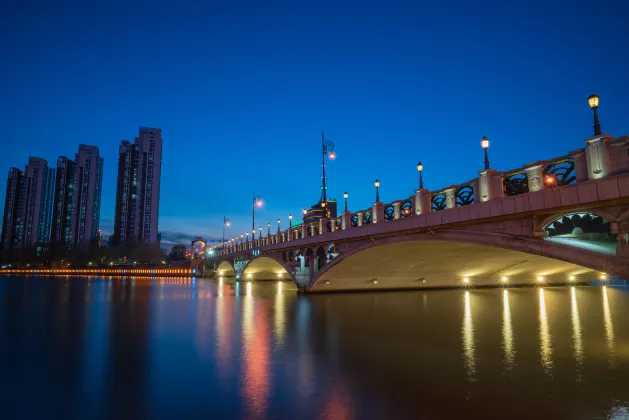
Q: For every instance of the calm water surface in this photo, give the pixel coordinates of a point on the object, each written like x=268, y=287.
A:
x=100, y=348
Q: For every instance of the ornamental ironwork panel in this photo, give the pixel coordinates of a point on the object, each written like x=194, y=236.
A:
x=407, y=209
x=465, y=195
x=389, y=213
x=338, y=225
x=367, y=219
x=354, y=221
x=328, y=226
x=438, y=202
x=576, y=224
x=516, y=183
x=562, y=171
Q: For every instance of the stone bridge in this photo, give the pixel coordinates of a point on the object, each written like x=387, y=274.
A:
x=550, y=222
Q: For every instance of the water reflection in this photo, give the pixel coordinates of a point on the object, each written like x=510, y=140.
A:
x=546, y=345
x=144, y=349
x=467, y=331
x=255, y=379
x=577, y=342
x=279, y=315
x=609, y=328
x=508, y=346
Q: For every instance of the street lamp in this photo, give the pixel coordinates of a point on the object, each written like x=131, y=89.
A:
x=242, y=237
x=257, y=202
x=484, y=143
x=327, y=148
x=345, y=195
x=290, y=220
x=420, y=169
x=593, y=101
x=278, y=224
x=377, y=184
x=269, y=226
x=260, y=231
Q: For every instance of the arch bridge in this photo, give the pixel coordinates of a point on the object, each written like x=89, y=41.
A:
x=550, y=222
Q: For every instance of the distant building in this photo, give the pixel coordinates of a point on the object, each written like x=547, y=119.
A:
x=77, y=199
x=317, y=211
x=137, y=194
x=27, y=208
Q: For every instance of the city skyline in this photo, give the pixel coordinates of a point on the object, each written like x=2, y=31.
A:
x=242, y=105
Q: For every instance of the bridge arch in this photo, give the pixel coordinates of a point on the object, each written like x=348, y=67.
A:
x=267, y=268
x=225, y=269
x=583, y=229
x=445, y=259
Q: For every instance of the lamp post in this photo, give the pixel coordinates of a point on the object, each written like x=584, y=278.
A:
x=260, y=231
x=290, y=220
x=593, y=101
x=484, y=143
x=345, y=195
x=269, y=231
x=420, y=169
x=226, y=223
x=278, y=224
x=257, y=202
x=327, y=148
x=377, y=184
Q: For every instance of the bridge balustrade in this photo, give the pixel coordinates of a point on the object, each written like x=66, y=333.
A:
x=603, y=156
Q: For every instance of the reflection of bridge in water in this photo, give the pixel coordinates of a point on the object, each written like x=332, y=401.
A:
x=555, y=221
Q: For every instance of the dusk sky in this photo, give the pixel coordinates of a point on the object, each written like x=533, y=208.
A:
x=242, y=91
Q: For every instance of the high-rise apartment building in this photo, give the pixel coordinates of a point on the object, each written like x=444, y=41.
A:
x=76, y=209
x=12, y=223
x=27, y=208
x=137, y=194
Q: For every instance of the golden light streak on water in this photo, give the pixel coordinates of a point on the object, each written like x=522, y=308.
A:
x=279, y=314
x=609, y=328
x=577, y=341
x=546, y=345
x=507, y=333
x=467, y=333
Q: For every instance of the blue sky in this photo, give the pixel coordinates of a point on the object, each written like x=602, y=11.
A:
x=243, y=89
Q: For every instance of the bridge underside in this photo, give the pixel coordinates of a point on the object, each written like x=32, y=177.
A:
x=434, y=264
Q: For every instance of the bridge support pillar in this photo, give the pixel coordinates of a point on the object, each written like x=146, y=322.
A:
x=346, y=220
x=450, y=197
x=323, y=225
x=378, y=212
x=597, y=156
x=535, y=176
x=486, y=186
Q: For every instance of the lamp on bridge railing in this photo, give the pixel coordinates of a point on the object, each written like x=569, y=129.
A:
x=290, y=220
x=242, y=238
x=420, y=169
x=257, y=202
x=269, y=226
x=345, y=195
x=593, y=101
x=484, y=143
x=253, y=235
x=377, y=184
x=278, y=224
x=247, y=236
x=226, y=223
x=260, y=231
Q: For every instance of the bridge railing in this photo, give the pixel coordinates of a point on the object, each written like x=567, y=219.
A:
x=603, y=156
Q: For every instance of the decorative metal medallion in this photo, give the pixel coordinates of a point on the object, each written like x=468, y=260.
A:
x=562, y=171
x=407, y=209
x=516, y=183
x=338, y=225
x=439, y=202
x=389, y=213
x=328, y=226
x=465, y=195
x=367, y=219
x=355, y=220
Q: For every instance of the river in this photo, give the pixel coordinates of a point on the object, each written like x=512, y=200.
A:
x=100, y=348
